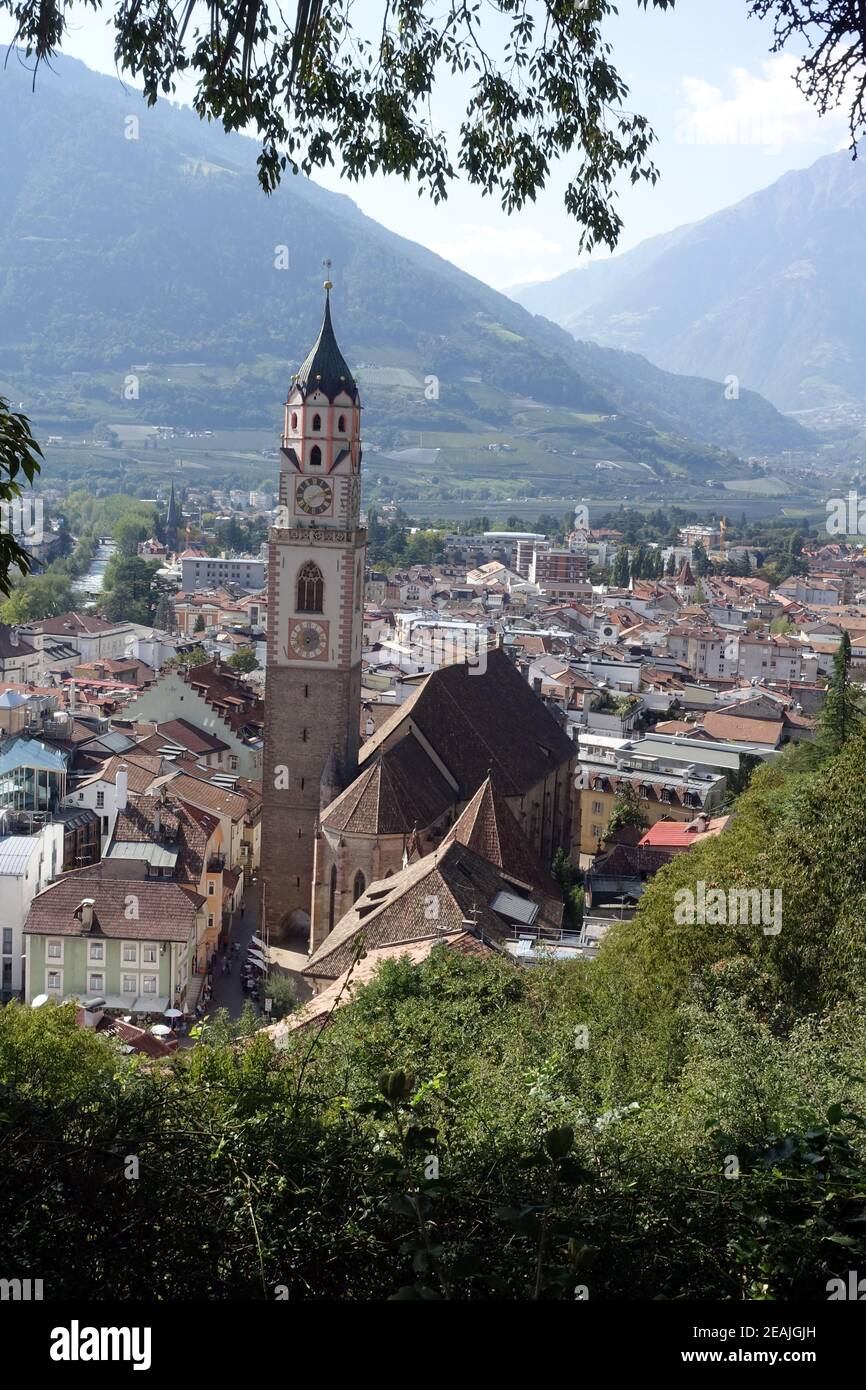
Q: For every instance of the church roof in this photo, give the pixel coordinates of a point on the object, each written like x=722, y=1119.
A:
x=324, y=369
x=397, y=909
x=488, y=827
x=400, y=789
x=685, y=575
x=481, y=719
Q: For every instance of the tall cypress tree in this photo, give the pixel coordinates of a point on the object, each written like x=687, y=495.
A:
x=841, y=716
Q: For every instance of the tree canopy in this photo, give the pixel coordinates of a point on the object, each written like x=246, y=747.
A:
x=539, y=78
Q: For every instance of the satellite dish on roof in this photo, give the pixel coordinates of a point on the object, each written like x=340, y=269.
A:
x=39, y=1001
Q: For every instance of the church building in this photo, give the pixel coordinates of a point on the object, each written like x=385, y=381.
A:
x=473, y=769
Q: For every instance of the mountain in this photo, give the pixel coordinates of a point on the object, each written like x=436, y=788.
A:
x=137, y=247
x=772, y=290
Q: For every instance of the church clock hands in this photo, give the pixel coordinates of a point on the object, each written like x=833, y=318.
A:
x=308, y=639
x=314, y=496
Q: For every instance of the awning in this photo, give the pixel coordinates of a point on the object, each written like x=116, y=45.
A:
x=149, y=1004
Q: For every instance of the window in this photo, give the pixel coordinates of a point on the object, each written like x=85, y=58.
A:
x=597, y=808
x=210, y=920
x=130, y=953
x=55, y=950
x=96, y=951
x=210, y=888
x=596, y=832
x=315, y=457
x=317, y=422
x=294, y=420
x=311, y=588
x=7, y=941
x=332, y=897
x=130, y=984
x=148, y=955
x=100, y=800
x=148, y=984
x=95, y=983
x=341, y=424
x=53, y=980
x=233, y=763
x=359, y=885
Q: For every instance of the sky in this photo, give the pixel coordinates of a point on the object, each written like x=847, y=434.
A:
x=727, y=115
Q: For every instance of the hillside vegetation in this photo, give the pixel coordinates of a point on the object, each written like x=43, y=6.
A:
x=682, y=1118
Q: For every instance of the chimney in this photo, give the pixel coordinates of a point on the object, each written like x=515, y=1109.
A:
x=536, y=684
x=121, y=783
x=13, y=636
x=369, y=727
x=157, y=821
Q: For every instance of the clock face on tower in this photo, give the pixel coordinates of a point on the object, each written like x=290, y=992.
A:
x=308, y=640
x=314, y=496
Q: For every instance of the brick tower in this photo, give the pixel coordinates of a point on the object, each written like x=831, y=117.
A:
x=315, y=611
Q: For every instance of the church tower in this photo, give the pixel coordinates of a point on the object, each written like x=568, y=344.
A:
x=315, y=613
x=173, y=521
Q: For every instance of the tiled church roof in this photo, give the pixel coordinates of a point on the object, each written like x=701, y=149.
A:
x=478, y=720
x=488, y=827
x=401, y=788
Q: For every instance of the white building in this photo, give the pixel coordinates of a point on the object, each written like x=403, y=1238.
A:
x=28, y=863
x=172, y=697
x=214, y=572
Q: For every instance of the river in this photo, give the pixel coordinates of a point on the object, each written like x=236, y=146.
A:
x=90, y=584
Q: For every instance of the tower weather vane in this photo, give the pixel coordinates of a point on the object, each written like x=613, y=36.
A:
x=327, y=264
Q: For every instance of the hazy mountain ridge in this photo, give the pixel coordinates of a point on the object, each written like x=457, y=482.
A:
x=772, y=290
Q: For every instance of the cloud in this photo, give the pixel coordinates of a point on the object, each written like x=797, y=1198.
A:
x=764, y=109
x=503, y=254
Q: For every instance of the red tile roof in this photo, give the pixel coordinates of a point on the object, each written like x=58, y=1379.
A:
x=165, y=911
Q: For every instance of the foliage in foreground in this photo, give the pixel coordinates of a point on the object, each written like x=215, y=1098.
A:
x=682, y=1118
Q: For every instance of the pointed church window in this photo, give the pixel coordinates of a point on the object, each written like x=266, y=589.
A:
x=311, y=588
x=359, y=886
x=315, y=456
x=317, y=422
x=294, y=420
x=341, y=425
x=332, y=897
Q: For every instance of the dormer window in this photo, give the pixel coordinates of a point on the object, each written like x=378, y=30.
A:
x=317, y=422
